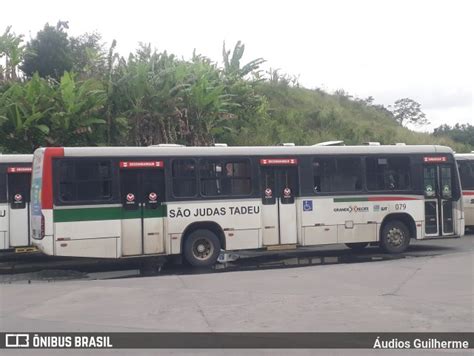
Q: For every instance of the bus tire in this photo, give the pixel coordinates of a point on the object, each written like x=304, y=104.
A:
x=201, y=248
x=357, y=246
x=395, y=237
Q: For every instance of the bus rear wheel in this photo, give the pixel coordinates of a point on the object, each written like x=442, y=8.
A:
x=395, y=237
x=201, y=248
x=357, y=246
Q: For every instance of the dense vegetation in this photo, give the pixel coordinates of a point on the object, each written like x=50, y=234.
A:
x=459, y=133
x=62, y=90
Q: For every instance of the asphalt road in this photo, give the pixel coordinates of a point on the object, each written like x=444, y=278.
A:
x=429, y=288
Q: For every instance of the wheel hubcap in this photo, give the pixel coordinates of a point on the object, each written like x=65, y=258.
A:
x=202, y=249
x=395, y=237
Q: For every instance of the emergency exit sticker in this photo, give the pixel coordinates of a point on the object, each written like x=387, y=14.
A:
x=19, y=170
x=141, y=164
x=435, y=159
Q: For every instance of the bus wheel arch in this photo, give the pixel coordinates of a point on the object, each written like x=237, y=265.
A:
x=400, y=224
x=211, y=234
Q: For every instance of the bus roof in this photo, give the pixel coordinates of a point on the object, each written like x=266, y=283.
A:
x=252, y=150
x=464, y=156
x=16, y=158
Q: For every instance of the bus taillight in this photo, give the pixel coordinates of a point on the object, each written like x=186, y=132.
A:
x=42, y=232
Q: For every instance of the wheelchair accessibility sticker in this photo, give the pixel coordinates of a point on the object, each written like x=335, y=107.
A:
x=307, y=205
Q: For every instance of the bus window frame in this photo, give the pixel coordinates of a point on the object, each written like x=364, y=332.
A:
x=412, y=182
x=254, y=178
x=363, y=189
x=172, y=180
x=224, y=161
x=469, y=162
x=114, y=198
x=3, y=184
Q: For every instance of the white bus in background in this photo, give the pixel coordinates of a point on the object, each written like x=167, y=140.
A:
x=466, y=171
x=117, y=202
x=15, y=178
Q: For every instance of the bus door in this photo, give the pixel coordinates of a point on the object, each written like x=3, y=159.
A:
x=279, y=186
x=18, y=188
x=142, y=188
x=438, y=187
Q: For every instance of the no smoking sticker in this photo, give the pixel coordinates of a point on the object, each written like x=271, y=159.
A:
x=268, y=192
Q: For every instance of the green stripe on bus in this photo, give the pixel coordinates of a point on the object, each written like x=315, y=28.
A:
x=349, y=200
x=108, y=213
x=159, y=212
x=374, y=199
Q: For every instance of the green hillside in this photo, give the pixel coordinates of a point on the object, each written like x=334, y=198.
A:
x=306, y=117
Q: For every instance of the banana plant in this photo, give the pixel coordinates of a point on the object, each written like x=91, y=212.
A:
x=146, y=92
x=77, y=110
x=24, y=112
x=207, y=104
x=12, y=51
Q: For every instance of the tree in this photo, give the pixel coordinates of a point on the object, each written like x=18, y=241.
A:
x=12, y=50
x=207, y=107
x=463, y=133
x=49, y=53
x=24, y=111
x=408, y=111
x=88, y=55
x=145, y=89
x=233, y=69
x=77, y=112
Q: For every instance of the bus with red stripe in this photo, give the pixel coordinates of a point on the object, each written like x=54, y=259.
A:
x=15, y=178
x=127, y=202
x=466, y=171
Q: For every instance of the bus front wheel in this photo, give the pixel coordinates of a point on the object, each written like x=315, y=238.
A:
x=395, y=237
x=201, y=248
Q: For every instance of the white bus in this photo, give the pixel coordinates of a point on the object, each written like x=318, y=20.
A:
x=466, y=172
x=120, y=202
x=15, y=178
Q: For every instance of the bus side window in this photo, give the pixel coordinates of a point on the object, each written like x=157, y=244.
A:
x=85, y=180
x=237, y=177
x=323, y=171
x=337, y=175
x=225, y=177
x=211, y=171
x=388, y=173
x=466, y=172
x=184, y=178
x=3, y=185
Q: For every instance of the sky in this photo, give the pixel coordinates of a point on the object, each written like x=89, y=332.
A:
x=390, y=49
